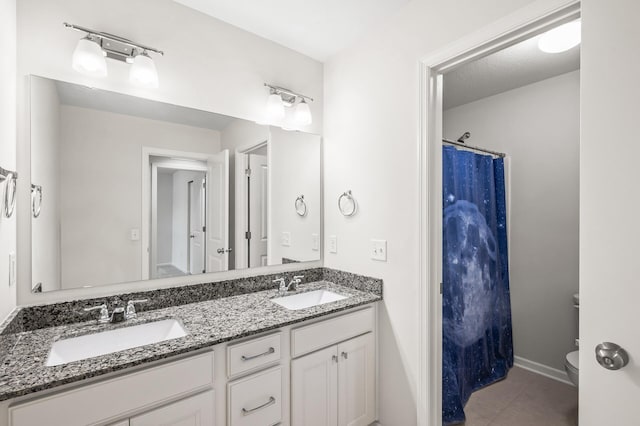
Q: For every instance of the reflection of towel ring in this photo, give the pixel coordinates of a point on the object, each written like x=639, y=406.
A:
x=301, y=206
x=347, y=204
x=36, y=199
x=9, y=196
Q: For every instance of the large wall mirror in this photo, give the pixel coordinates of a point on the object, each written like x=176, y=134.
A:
x=127, y=189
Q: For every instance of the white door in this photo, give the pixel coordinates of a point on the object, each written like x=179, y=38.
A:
x=356, y=381
x=257, y=182
x=217, y=213
x=609, y=205
x=196, y=219
x=196, y=410
x=314, y=389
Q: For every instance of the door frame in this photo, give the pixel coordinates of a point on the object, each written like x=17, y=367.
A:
x=525, y=23
x=172, y=161
x=240, y=200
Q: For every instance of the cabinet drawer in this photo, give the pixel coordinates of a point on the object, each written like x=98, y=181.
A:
x=256, y=400
x=253, y=354
x=119, y=396
x=329, y=332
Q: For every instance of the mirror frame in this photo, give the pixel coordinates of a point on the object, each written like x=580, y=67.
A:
x=24, y=225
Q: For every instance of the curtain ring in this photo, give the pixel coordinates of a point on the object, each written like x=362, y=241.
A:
x=36, y=200
x=347, y=204
x=301, y=206
x=9, y=198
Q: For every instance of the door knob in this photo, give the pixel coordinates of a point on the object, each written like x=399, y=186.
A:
x=223, y=251
x=611, y=356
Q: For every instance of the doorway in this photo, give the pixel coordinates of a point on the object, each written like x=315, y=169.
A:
x=433, y=77
x=251, y=209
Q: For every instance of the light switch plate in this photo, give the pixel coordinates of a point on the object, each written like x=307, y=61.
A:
x=12, y=269
x=333, y=244
x=315, y=242
x=379, y=250
x=285, y=240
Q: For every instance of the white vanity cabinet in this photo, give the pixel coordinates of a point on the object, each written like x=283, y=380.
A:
x=197, y=410
x=319, y=372
x=336, y=385
x=333, y=373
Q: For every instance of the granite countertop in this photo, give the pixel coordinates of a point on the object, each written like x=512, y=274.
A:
x=207, y=323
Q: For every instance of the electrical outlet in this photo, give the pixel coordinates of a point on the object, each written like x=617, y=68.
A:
x=12, y=269
x=315, y=242
x=333, y=244
x=379, y=250
x=285, y=240
x=135, y=234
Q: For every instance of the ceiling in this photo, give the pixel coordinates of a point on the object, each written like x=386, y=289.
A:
x=316, y=28
x=514, y=67
x=86, y=97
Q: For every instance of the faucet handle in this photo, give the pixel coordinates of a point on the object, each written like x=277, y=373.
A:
x=104, y=312
x=131, y=308
x=298, y=278
x=279, y=280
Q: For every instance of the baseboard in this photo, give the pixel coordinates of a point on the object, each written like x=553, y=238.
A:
x=542, y=369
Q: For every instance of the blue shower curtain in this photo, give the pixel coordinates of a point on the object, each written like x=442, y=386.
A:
x=476, y=308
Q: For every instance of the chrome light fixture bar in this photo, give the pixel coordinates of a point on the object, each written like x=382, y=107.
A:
x=89, y=56
x=114, y=46
x=279, y=98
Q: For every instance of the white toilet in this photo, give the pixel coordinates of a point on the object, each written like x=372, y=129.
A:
x=571, y=362
x=571, y=366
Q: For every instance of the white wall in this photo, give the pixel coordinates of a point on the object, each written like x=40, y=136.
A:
x=101, y=163
x=208, y=65
x=371, y=147
x=294, y=169
x=7, y=144
x=45, y=159
x=165, y=217
x=538, y=126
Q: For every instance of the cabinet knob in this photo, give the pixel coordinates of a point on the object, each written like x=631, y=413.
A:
x=334, y=358
x=345, y=355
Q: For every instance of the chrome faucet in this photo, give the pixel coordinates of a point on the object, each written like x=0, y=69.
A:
x=293, y=284
x=119, y=314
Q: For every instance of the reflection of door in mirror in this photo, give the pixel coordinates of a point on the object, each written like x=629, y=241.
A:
x=251, y=209
x=178, y=200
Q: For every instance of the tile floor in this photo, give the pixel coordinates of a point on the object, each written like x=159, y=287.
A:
x=524, y=399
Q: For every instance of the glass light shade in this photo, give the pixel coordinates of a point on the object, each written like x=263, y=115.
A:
x=303, y=114
x=88, y=58
x=561, y=39
x=275, y=108
x=143, y=72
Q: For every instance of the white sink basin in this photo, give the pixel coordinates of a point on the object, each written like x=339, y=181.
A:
x=106, y=342
x=308, y=299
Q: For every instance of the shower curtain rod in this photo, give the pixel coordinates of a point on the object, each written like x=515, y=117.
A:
x=475, y=148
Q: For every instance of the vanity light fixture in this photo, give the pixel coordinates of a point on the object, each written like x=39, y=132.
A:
x=562, y=38
x=281, y=98
x=89, y=56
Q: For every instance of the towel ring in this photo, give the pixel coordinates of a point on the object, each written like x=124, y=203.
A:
x=9, y=196
x=347, y=204
x=301, y=206
x=36, y=200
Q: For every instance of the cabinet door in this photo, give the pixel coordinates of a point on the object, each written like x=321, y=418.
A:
x=356, y=381
x=197, y=410
x=314, y=389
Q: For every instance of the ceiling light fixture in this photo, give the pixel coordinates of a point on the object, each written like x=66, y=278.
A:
x=91, y=51
x=279, y=98
x=561, y=39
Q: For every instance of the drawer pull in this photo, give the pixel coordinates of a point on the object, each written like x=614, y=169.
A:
x=249, y=358
x=270, y=402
